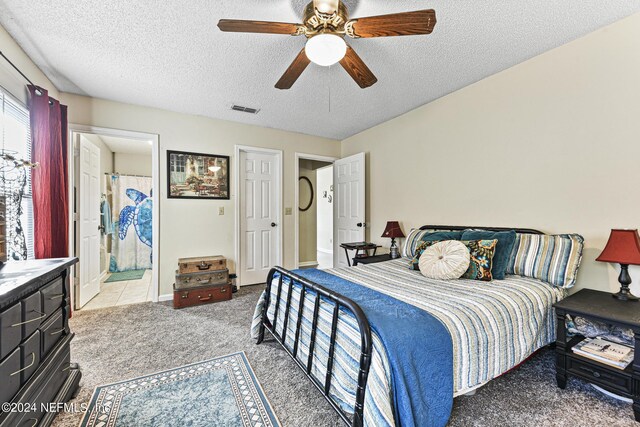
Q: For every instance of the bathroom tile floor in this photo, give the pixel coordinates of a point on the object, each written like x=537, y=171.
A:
x=122, y=293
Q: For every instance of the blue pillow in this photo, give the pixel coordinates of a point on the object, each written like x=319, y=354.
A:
x=506, y=241
x=416, y=236
x=433, y=236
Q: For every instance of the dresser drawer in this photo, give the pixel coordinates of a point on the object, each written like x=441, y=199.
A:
x=44, y=392
x=32, y=314
x=10, y=329
x=207, y=278
x=52, y=330
x=609, y=378
x=10, y=376
x=53, y=296
x=30, y=356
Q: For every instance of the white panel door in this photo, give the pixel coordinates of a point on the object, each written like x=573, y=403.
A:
x=259, y=216
x=349, y=208
x=89, y=218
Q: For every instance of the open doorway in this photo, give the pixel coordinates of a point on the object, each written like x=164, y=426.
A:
x=114, y=218
x=314, y=213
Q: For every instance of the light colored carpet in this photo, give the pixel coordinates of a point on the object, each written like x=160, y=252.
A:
x=119, y=343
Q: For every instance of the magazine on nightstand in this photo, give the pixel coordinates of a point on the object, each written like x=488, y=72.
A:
x=604, y=351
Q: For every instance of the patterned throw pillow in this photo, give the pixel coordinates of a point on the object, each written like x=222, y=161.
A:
x=482, y=252
x=506, y=241
x=481, y=258
x=551, y=258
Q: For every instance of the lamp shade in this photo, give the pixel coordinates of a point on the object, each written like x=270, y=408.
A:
x=623, y=247
x=393, y=230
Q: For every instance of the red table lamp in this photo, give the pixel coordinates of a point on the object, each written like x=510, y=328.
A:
x=393, y=231
x=623, y=248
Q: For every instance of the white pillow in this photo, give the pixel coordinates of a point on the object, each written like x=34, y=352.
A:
x=445, y=260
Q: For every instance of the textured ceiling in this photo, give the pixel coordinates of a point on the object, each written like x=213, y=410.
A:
x=171, y=55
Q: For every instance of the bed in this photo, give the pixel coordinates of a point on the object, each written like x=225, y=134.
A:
x=387, y=346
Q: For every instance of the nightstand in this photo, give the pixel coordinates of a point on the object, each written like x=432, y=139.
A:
x=365, y=247
x=371, y=259
x=596, y=305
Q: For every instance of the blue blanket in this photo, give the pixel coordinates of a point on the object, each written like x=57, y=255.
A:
x=418, y=348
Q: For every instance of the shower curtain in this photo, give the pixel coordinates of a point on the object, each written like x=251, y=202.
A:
x=131, y=215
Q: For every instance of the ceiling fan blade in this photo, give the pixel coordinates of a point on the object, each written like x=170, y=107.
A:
x=266, y=27
x=294, y=71
x=357, y=69
x=397, y=24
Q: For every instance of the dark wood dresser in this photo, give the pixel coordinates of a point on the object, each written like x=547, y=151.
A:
x=36, y=373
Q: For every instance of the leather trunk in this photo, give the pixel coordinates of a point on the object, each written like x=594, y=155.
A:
x=201, y=264
x=201, y=295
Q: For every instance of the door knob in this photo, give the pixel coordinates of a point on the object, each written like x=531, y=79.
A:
x=273, y=224
x=361, y=224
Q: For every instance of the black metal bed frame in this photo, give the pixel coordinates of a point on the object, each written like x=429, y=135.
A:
x=464, y=227
x=338, y=300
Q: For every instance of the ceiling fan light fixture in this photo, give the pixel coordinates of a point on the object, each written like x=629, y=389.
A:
x=326, y=49
x=326, y=7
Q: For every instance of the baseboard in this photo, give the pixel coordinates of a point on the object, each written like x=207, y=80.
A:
x=308, y=264
x=165, y=297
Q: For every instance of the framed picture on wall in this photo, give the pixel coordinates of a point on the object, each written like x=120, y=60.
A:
x=197, y=176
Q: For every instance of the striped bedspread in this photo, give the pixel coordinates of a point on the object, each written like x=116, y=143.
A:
x=493, y=325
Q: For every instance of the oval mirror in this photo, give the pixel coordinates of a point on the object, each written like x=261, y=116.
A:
x=305, y=204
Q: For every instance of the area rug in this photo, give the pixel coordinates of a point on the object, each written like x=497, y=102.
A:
x=121, y=276
x=221, y=392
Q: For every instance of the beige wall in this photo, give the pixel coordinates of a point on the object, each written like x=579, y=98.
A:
x=193, y=227
x=552, y=144
x=133, y=164
x=10, y=79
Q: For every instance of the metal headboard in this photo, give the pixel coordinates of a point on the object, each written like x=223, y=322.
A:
x=464, y=227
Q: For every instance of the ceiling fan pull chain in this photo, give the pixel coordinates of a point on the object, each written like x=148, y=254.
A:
x=329, y=87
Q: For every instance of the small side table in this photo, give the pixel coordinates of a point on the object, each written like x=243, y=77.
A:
x=365, y=247
x=371, y=259
x=600, y=306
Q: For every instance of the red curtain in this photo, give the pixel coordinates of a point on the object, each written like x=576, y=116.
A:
x=50, y=180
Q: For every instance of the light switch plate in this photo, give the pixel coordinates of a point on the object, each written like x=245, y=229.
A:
x=221, y=210
x=288, y=211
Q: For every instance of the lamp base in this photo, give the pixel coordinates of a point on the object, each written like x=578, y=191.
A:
x=625, y=280
x=625, y=296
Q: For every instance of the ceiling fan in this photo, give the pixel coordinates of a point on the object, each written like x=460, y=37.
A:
x=326, y=22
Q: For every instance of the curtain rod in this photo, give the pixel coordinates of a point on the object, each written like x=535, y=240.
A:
x=37, y=89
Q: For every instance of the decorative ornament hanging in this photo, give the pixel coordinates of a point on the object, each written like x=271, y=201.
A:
x=13, y=183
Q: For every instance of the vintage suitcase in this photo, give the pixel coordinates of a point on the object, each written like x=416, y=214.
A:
x=200, y=264
x=190, y=280
x=202, y=295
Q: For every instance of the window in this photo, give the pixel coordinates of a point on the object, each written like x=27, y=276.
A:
x=177, y=163
x=15, y=137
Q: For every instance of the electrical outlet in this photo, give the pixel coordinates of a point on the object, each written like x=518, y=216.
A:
x=288, y=211
x=221, y=210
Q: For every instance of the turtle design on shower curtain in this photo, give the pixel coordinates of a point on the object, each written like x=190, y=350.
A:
x=139, y=215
